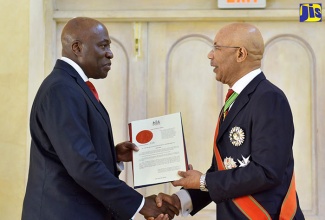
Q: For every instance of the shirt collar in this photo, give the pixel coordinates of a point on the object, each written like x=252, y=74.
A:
x=76, y=67
x=245, y=80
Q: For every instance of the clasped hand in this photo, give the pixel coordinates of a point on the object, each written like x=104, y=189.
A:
x=164, y=211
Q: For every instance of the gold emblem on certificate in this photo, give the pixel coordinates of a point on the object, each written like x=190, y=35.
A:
x=229, y=163
x=237, y=136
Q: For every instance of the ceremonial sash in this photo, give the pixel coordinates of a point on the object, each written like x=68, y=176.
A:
x=249, y=206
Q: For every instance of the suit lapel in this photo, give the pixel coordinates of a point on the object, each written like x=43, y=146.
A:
x=73, y=73
x=239, y=103
x=100, y=108
x=98, y=105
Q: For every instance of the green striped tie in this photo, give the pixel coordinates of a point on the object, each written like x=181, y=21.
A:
x=230, y=98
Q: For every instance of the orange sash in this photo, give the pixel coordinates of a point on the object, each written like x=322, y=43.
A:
x=249, y=206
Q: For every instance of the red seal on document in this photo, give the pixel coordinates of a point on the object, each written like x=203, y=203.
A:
x=144, y=136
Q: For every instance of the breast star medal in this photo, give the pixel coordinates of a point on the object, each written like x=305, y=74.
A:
x=229, y=163
x=237, y=136
x=244, y=162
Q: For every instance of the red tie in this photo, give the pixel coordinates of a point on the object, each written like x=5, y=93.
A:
x=229, y=93
x=92, y=89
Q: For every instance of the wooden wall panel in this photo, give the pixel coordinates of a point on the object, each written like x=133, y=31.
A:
x=288, y=63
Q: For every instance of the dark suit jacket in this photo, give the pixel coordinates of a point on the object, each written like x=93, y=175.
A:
x=73, y=173
x=263, y=113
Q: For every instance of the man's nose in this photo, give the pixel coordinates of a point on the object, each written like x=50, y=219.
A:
x=109, y=54
x=210, y=54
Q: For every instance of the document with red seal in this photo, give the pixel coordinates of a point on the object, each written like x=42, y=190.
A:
x=162, y=150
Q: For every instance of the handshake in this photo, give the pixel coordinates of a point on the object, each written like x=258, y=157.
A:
x=163, y=206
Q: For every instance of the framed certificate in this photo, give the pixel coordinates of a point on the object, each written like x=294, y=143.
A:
x=162, y=150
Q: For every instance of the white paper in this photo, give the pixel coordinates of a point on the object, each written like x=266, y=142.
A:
x=162, y=151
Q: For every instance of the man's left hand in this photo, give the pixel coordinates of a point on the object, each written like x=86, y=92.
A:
x=124, y=151
x=190, y=180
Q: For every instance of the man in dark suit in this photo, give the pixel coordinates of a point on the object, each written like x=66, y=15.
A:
x=252, y=171
x=73, y=173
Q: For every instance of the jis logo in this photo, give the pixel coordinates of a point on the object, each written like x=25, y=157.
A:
x=310, y=12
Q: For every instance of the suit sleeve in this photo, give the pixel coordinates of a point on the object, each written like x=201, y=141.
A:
x=270, y=134
x=64, y=115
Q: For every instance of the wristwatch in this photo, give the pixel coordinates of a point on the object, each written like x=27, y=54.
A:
x=203, y=185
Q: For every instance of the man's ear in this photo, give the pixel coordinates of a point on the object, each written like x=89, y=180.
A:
x=242, y=53
x=76, y=47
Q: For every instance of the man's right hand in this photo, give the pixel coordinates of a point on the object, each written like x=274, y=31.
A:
x=150, y=208
x=173, y=200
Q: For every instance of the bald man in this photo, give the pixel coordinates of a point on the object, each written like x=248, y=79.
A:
x=73, y=173
x=252, y=170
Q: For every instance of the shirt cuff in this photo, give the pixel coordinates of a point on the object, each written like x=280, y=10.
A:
x=120, y=166
x=186, y=202
x=142, y=204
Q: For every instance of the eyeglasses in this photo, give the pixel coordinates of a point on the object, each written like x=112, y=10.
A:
x=217, y=47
